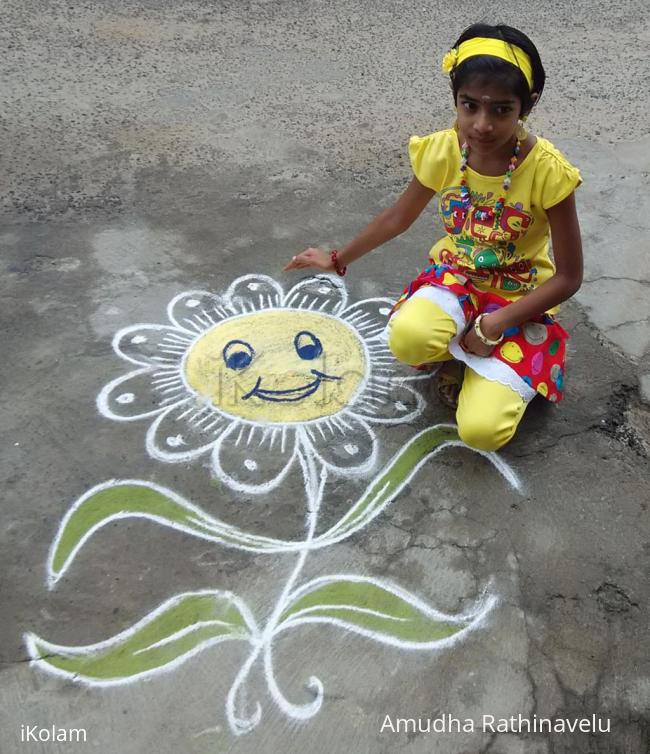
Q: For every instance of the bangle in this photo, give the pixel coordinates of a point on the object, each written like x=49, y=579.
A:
x=340, y=271
x=481, y=337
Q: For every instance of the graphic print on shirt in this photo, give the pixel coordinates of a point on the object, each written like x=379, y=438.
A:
x=487, y=254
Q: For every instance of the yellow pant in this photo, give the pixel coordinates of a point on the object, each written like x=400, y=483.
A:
x=488, y=412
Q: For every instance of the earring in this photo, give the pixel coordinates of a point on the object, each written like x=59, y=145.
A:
x=521, y=133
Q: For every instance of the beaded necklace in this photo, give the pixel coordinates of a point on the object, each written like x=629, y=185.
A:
x=465, y=198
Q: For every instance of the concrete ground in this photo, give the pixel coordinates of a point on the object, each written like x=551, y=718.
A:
x=151, y=148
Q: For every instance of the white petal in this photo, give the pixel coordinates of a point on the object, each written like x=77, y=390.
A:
x=385, y=366
x=344, y=443
x=152, y=344
x=322, y=293
x=184, y=432
x=134, y=396
x=197, y=311
x=416, y=375
x=369, y=316
x=254, y=292
x=388, y=401
x=402, y=373
x=253, y=458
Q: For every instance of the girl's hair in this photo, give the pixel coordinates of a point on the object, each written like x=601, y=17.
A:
x=500, y=70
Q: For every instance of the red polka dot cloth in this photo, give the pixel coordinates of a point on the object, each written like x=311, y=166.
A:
x=534, y=351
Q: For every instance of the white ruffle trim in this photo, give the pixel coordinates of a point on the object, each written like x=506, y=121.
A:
x=487, y=366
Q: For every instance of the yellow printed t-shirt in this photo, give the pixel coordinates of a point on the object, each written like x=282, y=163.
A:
x=513, y=258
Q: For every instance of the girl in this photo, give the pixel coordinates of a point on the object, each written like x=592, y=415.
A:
x=485, y=304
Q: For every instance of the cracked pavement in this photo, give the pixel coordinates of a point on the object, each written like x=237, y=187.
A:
x=153, y=147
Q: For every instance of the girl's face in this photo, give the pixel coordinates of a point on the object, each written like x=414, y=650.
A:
x=487, y=116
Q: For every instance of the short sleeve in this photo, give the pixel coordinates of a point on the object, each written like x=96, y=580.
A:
x=429, y=156
x=559, y=177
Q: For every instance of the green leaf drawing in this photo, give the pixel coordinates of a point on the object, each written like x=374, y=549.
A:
x=168, y=636
x=376, y=609
x=114, y=499
x=385, y=487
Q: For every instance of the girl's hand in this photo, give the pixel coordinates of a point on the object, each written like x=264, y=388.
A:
x=471, y=343
x=310, y=258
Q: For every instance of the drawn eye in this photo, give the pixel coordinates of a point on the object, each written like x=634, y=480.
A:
x=307, y=345
x=238, y=354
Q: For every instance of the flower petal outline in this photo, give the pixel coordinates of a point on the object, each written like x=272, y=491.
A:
x=151, y=345
x=387, y=402
x=344, y=443
x=318, y=293
x=227, y=463
x=254, y=292
x=369, y=316
x=132, y=392
x=192, y=437
x=196, y=312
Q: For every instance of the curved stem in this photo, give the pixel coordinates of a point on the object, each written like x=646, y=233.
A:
x=297, y=711
x=314, y=487
x=314, y=483
x=242, y=723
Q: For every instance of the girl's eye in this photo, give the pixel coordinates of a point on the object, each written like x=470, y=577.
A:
x=307, y=345
x=503, y=110
x=237, y=354
x=468, y=105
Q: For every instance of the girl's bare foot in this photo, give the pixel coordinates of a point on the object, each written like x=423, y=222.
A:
x=449, y=381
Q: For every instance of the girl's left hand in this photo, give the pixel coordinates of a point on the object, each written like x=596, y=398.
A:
x=310, y=257
x=471, y=343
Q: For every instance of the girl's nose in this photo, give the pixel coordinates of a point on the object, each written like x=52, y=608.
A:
x=482, y=124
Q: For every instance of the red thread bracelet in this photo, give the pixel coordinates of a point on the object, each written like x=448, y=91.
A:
x=340, y=271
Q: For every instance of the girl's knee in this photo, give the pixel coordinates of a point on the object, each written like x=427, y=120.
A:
x=407, y=341
x=488, y=413
x=420, y=332
x=482, y=433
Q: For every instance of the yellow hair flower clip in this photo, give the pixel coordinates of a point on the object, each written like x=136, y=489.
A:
x=449, y=60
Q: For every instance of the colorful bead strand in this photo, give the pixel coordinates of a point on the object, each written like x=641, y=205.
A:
x=465, y=196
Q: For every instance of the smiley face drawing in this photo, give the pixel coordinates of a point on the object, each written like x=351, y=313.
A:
x=258, y=379
x=272, y=366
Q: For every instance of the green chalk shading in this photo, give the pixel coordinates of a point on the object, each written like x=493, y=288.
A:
x=132, y=499
x=386, y=485
x=365, y=605
x=178, y=627
x=140, y=500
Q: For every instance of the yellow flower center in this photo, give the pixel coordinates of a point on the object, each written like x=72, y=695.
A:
x=278, y=366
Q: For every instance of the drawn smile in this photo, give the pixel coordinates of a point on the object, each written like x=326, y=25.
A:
x=291, y=394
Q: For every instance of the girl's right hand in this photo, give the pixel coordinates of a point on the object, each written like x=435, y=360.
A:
x=311, y=258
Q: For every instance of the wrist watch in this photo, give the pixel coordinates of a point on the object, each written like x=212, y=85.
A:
x=479, y=333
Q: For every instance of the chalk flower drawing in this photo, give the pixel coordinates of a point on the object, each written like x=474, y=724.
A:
x=260, y=374
x=285, y=352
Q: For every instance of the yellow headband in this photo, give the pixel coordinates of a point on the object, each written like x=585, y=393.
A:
x=487, y=46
